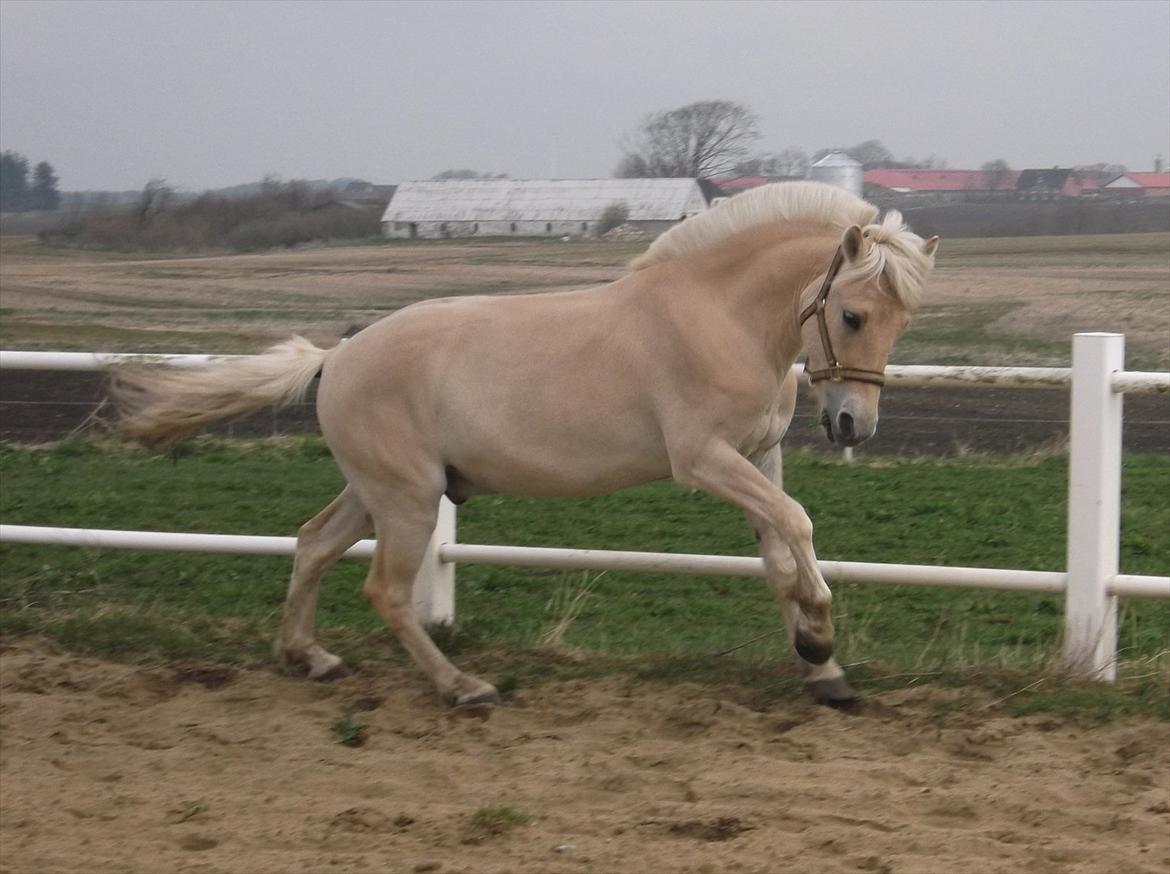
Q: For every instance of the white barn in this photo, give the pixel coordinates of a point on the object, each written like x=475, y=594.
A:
x=535, y=207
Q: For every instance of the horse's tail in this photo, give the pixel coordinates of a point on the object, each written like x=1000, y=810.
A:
x=161, y=406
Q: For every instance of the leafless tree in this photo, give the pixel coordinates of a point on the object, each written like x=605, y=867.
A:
x=701, y=139
x=156, y=198
x=1102, y=172
x=996, y=173
x=790, y=162
x=871, y=154
x=613, y=216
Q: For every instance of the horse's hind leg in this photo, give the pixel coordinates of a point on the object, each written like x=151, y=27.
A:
x=320, y=542
x=404, y=527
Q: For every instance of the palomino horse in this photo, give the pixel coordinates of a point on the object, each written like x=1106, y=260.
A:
x=682, y=368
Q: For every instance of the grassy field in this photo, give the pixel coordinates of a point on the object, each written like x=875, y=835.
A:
x=991, y=301
x=995, y=513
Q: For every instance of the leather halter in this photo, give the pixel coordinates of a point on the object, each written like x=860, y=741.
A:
x=835, y=371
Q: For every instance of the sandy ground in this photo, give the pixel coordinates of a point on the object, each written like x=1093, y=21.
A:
x=107, y=767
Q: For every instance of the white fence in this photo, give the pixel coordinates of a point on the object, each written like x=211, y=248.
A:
x=1091, y=584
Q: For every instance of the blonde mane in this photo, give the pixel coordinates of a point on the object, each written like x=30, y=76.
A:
x=897, y=250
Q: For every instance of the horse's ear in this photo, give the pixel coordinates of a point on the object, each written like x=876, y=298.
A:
x=929, y=246
x=852, y=243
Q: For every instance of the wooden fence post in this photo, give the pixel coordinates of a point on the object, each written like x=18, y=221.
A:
x=1094, y=506
x=434, y=587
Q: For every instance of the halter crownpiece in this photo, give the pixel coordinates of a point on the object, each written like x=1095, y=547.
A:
x=835, y=371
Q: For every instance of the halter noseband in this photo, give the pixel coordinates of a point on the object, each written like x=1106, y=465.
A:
x=834, y=371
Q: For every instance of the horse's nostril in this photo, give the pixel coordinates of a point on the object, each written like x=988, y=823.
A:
x=845, y=426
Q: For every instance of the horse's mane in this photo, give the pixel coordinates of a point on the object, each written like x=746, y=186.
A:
x=898, y=251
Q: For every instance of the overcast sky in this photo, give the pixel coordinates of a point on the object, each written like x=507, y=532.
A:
x=208, y=94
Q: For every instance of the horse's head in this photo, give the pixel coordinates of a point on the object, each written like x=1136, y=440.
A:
x=853, y=315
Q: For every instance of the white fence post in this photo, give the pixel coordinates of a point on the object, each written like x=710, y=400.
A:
x=434, y=587
x=1094, y=506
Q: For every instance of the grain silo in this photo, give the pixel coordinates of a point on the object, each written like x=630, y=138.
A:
x=837, y=168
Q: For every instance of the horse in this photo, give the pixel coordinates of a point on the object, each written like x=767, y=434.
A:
x=682, y=368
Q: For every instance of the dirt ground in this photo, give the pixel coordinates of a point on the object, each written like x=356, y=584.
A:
x=239, y=303
x=107, y=767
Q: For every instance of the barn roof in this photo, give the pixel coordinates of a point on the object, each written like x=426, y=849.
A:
x=938, y=180
x=469, y=200
x=1144, y=180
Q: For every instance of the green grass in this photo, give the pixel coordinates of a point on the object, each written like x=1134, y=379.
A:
x=985, y=512
x=350, y=732
x=495, y=821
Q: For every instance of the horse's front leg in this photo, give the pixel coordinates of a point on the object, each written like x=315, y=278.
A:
x=786, y=542
x=826, y=681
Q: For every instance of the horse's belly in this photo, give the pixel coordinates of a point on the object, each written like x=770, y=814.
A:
x=558, y=467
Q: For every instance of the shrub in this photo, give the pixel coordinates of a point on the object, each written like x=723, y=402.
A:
x=613, y=216
x=279, y=214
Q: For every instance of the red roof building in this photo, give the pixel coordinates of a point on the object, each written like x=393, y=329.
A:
x=938, y=181
x=1150, y=184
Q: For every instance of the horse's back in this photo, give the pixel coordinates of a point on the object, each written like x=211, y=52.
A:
x=530, y=394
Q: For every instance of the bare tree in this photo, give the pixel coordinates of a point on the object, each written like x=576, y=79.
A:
x=871, y=154
x=613, y=216
x=790, y=162
x=1102, y=172
x=996, y=173
x=701, y=139
x=156, y=197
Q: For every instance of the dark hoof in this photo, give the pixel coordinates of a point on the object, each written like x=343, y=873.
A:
x=835, y=692
x=814, y=653
x=340, y=672
x=478, y=706
x=481, y=711
x=491, y=698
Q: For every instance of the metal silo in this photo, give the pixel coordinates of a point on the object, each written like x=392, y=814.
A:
x=837, y=168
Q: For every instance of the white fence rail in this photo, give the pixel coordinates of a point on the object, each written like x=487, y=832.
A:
x=1091, y=585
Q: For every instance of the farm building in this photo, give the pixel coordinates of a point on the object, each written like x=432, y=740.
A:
x=1140, y=185
x=537, y=207
x=937, y=183
x=840, y=169
x=1057, y=182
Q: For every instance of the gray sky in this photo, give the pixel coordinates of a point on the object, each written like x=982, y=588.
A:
x=207, y=94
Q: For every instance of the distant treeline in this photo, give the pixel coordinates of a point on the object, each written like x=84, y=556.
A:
x=278, y=215
x=18, y=193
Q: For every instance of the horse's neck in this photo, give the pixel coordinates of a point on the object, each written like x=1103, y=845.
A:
x=766, y=290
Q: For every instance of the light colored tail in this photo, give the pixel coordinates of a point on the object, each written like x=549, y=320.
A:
x=161, y=406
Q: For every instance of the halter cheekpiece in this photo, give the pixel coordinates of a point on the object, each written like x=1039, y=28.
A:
x=835, y=371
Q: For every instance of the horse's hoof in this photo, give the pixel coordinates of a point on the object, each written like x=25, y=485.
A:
x=338, y=672
x=478, y=705
x=835, y=692
x=813, y=652
x=484, y=697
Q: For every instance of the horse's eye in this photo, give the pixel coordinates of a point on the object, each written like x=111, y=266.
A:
x=852, y=319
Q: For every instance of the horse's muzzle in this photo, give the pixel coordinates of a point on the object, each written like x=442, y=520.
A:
x=844, y=431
